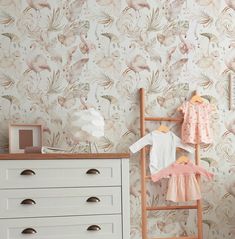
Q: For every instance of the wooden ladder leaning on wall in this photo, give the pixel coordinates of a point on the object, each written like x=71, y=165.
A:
x=145, y=178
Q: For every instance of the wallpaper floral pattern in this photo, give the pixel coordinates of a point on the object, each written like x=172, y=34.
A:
x=58, y=56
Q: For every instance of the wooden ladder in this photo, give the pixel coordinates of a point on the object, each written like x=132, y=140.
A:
x=145, y=178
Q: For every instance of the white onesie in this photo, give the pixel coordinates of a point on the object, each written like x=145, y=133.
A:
x=163, y=149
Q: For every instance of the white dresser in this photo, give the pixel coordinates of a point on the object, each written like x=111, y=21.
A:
x=65, y=196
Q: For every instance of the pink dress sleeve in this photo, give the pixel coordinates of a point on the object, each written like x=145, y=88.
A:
x=162, y=174
x=200, y=170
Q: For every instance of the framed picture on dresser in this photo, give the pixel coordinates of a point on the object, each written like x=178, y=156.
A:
x=24, y=135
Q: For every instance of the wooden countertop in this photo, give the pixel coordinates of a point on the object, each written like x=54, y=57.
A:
x=63, y=156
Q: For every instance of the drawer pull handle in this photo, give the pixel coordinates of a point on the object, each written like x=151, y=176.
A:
x=93, y=171
x=93, y=228
x=28, y=202
x=28, y=172
x=29, y=231
x=93, y=199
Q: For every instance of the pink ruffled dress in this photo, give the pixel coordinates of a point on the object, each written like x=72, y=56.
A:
x=182, y=184
x=196, y=125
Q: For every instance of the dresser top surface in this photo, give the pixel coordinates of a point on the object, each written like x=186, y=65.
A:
x=63, y=156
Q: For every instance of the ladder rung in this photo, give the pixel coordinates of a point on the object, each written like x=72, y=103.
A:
x=163, y=119
x=148, y=177
x=147, y=149
x=171, y=207
x=188, y=237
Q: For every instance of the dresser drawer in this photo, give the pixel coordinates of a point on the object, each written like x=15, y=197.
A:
x=60, y=173
x=59, y=202
x=84, y=227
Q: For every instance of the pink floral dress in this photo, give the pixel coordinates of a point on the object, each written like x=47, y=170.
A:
x=196, y=125
x=182, y=184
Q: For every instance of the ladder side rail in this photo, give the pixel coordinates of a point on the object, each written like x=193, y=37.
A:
x=143, y=167
x=199, y=202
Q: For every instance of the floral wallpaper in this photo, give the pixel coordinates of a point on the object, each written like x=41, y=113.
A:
x=61, y=56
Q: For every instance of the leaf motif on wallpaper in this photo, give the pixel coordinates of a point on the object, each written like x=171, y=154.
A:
x=205, y=81
x=205, y=19
x=211, y=224
x=113, y=103
x=11, y=36
x=225, y=151
x=78, y=90
x=230, y=190
x=211, y=162
x=105, y=144
x=153, y=84
x=6, y=81
x=112, y=100
x=37, y=5
x=55, y=21
x=154, y=21
x=173, y=95
x=105, y=19
x=6, y=18
x=123, y=141
x=150, y=48
x=13, y=102
x=55, y=84
x=207, y=206
x=225, y=23
x=104, y=81
x=223, y=210
x=132, y=127
x=54, y=139
x=111, y=36
x=179, y=27
x=211, y=99
x=230, y=126
x=212, y=38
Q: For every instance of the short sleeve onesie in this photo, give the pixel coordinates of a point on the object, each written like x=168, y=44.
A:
x=196, y=124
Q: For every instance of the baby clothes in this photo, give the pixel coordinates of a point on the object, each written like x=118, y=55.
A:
x=182, y=184
x=163, y=150
x=196, y=125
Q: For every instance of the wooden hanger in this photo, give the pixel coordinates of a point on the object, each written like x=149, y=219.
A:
x=196, y=98
x=182, y=160
x=163, y=129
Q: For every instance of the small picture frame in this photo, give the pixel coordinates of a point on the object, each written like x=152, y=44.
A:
x=24, y=135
